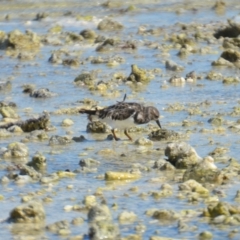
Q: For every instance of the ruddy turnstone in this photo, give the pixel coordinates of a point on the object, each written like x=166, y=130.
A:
x=124, y=115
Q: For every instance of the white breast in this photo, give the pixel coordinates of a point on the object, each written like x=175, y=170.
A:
x=120, y=125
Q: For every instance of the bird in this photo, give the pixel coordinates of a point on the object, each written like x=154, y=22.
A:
x=124, y=115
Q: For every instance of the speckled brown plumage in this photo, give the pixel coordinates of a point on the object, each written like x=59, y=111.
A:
x=123, y=111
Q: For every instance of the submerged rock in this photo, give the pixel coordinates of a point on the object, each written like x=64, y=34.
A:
x=32, y=212
x=181, y=155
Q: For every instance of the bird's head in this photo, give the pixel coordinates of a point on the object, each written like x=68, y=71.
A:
x=154, y=115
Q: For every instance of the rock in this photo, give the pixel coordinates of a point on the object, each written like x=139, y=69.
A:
x=58, y=226
x=88, y=162
x=177, y=80
x=73, y=37
x=143, y=142
x=65, y=174
x=30, y=124
x=216, y=121
x=88, y=34
x=171, y=65
x=204, y=172
x=181, y=155
x=85, y=78
x=79, y=139
x=49, y=179
x=55, y=58
x=4, y=86
x=15, y=150
x=109, y=176
x=231, y=80
x=71, y=62
x=108, y=24
x=4, y=133
x=77, y=221
x=233, y=43
x=206, y=235
x=126, y=217
x=32, y=212
x=219, y=6
x=231, y=31
x=193, y=186
x=219, y=209
x=56, y=29
x=165, y=215
x=138, y=75
x=237, y=196
x=8, y=112
x=96, y=127
x=38, y=162
x=30, y=171
x=232, y=170
x=90, y=201
x=101, y=225
x=41, y=93
x=163, y=165
x=41, y=16
x=231, y=55
x=222, y=62
x=214, y=76
x=27, y=42
x=67, y=122
x=165, y=135
x=59, y=140
x=108, y=45
x=15, y=129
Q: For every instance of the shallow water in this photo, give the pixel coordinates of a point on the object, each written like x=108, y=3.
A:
x=59, y=79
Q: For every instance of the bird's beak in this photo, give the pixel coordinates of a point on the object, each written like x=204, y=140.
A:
x=158, y=123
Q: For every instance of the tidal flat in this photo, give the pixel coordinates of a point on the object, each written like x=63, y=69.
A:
x=63, y=177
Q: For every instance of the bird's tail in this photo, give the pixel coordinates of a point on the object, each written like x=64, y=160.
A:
x=88, y=111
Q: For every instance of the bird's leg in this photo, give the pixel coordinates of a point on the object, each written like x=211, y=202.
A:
x=114, y=135
x=126, y=133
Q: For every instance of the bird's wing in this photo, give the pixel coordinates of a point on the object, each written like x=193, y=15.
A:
x=120, y=111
